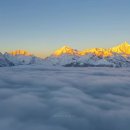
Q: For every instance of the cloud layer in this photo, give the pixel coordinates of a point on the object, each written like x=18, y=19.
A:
x=38, y=98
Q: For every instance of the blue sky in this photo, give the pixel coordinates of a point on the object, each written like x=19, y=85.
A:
x=41, y=26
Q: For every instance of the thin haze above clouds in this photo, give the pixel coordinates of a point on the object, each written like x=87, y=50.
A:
x=38, y=98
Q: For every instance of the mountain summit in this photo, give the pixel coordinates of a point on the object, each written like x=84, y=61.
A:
x=20, y=52
x=65, y=50
x=123, y=48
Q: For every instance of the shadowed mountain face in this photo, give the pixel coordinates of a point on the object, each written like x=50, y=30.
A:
x=20, y=58
x=4, y=61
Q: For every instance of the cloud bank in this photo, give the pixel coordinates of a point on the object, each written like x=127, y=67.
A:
x=38, y=98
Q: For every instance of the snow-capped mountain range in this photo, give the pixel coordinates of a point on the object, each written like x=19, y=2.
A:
x=118, y=56
x=18, y=57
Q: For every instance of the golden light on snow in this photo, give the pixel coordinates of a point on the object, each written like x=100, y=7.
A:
x=20, y=52
x=123, y=49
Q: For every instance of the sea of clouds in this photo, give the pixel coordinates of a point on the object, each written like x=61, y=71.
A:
x=39, y=98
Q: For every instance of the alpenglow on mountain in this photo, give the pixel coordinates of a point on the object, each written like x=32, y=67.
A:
x=118, y=56
x=65, y=50
x=123, y=49
x=20, y=52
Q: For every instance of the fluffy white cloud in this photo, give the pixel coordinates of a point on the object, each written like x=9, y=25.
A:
x=38, y=98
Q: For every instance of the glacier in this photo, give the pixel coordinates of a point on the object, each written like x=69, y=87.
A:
x=35, y=97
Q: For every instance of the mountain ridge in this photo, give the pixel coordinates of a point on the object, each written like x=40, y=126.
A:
x=118, y=56
x=65, y=50
x=20, y=52
x=123, y=48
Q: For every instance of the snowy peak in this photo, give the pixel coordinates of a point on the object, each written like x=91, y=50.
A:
x=65, y=50
x=123, y=48
x=4, y=61
x=20, y=52
x=97, y=51
x=118, y=56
